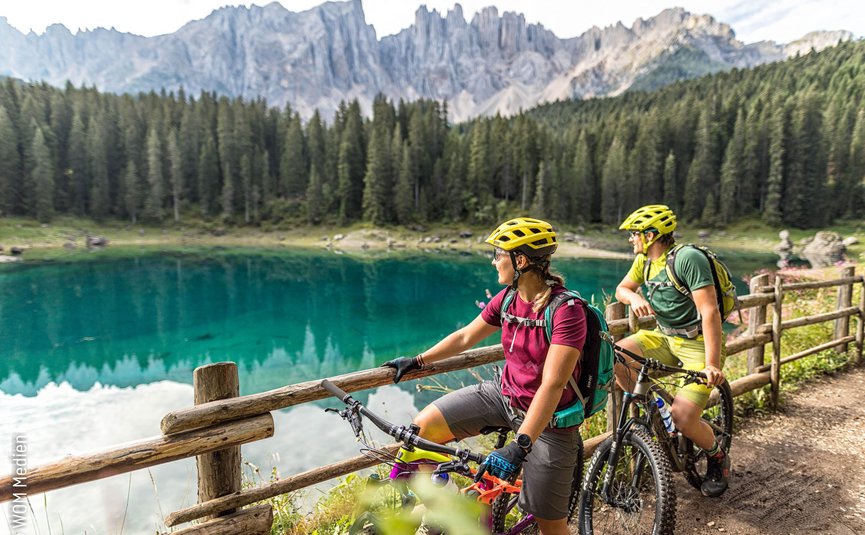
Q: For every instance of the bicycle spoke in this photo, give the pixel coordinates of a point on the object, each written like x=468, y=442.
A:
x=632, y=504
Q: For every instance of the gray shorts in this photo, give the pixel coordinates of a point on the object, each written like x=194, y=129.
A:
x=548, y=469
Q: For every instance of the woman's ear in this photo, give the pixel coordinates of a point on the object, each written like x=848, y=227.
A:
x=522, y=261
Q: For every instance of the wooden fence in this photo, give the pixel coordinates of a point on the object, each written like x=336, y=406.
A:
x=220, y=421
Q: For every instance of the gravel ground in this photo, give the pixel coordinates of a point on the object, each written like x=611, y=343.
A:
x=798, y=470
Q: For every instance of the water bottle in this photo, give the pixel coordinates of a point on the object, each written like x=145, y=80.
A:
x=665, y=415
x=444, y=481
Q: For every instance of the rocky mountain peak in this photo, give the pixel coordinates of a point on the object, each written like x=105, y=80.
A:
x=496, y=63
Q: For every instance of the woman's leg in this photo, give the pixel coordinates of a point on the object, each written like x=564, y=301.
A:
x=433, y=425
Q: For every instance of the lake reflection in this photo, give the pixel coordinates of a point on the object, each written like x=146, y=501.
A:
x=94, y=353
x=283, y=319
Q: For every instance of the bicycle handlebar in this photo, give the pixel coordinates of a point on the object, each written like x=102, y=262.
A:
x=399, y=432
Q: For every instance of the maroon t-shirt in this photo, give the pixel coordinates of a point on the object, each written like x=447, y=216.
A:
x=526, y=347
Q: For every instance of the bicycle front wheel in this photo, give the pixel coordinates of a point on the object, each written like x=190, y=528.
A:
x=641, y=497
x=720, y=418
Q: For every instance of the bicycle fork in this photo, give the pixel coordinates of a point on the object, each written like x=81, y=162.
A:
x=625, y=423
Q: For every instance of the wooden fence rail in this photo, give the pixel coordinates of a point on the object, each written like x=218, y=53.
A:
x=221, y=420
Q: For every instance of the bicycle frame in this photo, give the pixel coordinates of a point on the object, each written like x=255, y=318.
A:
x=644, y=392
x=450, y=460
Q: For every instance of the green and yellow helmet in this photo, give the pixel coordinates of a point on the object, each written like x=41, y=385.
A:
x=654, y=217
x=532, y=237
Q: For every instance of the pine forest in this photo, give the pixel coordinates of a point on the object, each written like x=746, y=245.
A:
x=784, y=142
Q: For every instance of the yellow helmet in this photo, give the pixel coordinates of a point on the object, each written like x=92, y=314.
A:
x=531, y=237
x=651, y=217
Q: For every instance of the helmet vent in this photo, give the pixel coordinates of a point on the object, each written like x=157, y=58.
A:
x=519, y=233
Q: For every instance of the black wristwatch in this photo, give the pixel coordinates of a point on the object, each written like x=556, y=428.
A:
x=524, y=441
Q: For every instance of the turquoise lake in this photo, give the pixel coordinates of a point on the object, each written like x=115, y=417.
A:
x=95, y=352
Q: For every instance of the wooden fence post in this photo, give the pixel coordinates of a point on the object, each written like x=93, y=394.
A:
x=845, y=298
x=860, y=323
x=219, y=471
x=775, y=370
x=757, y=317
x=614, y=311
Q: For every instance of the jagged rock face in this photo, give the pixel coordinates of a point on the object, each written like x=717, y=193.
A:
x=317, y=58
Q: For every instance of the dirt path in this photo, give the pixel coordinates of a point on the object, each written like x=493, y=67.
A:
x=800, y=470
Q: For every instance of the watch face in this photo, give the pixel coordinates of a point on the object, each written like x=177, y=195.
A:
x=524, y=441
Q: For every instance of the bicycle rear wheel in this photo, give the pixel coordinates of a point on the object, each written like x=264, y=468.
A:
x=642, y=498
x=720, y=419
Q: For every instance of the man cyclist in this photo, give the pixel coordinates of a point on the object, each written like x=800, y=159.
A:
x=689, y=331
x=535, y=380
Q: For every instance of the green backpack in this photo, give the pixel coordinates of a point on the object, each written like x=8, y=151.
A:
x=724, y=287
x=596, y=361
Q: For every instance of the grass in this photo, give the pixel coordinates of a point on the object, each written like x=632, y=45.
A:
x=54, y=241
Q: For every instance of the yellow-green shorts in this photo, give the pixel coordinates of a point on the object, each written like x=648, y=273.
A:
x=682, y=352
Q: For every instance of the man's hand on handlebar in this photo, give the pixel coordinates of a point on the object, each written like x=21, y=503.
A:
x=403, y=365
x=503, y=463
x=714, y=376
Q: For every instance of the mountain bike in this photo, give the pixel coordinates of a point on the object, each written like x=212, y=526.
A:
x=629, y=480
x=421, y=456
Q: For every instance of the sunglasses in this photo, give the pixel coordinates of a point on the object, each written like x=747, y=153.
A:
x=498, y=253
x=634, y=233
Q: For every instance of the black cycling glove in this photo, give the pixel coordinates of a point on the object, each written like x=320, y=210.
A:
x=503, y=463
x=403, y=365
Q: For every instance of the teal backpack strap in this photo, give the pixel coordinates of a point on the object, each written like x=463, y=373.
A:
x=554, y=305
x=506, y=301
x=549, y=313
x=507, y=317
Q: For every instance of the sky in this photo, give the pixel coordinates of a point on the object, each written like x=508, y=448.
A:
x=752, y=20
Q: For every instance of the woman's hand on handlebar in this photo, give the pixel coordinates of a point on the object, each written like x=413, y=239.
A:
x=502, y=463
x=714, y=376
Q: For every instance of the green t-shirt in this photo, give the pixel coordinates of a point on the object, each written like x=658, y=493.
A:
x=672, y=309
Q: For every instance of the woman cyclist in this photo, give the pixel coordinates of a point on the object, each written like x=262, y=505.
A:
x=535, y=379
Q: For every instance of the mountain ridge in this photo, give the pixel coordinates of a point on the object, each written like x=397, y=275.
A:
x=313, y=59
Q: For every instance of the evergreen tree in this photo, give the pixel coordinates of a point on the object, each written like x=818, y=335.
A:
x=670, y=186
x=703, y=172
x=293, y=167
x=227, y=199
x=615, y=167
x=805, y=183
x=10, y=164
x=153, y=203
x=540, y=202
x=404, y=202
x=132, y=192
x=43, y=178
x=315, y=207
x=208, y=177
x=350, y=169
x=177, y=178
x=98, y=165
x=377, y=181
x=582, y=194
x=732, y=171
x=78, y=170
x=857, y=161
x=772, y=212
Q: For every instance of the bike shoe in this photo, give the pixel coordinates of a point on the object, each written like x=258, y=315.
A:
x=717, y=476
